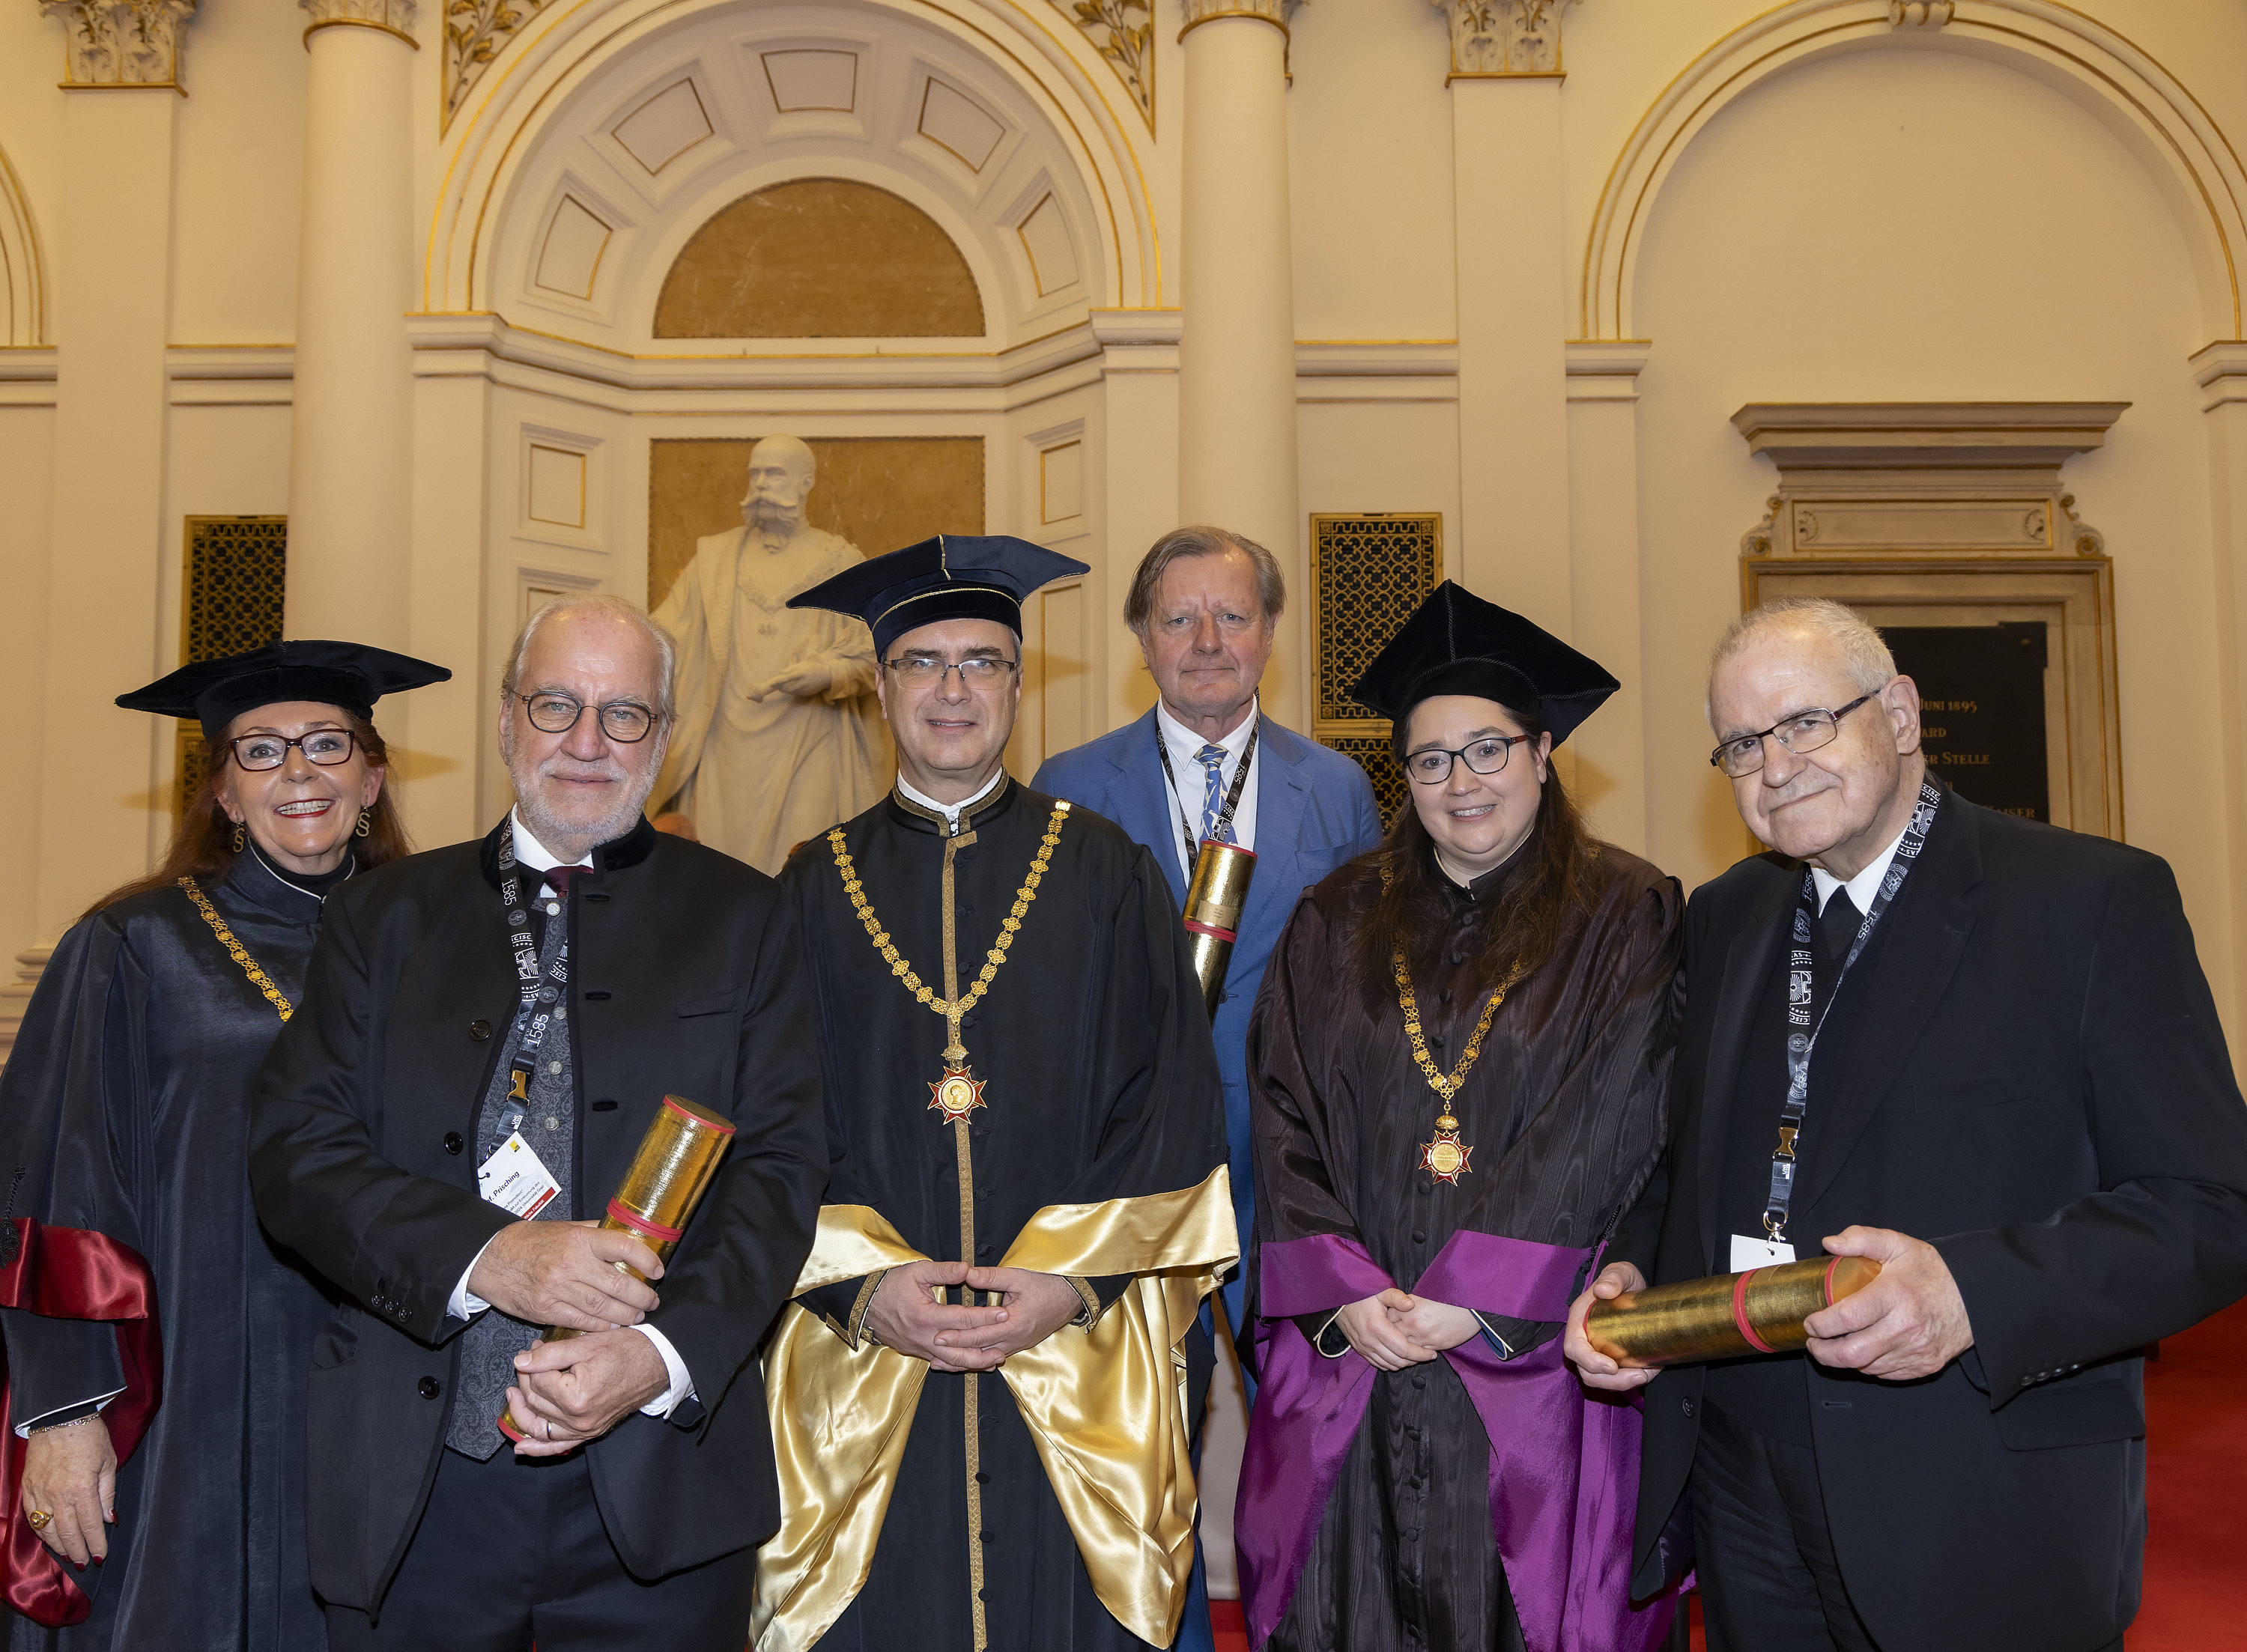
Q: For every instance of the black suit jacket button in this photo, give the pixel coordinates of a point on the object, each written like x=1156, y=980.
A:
x=455, y=1142
x=479, y=1030
x=430, y=1387
x=1688, y=1406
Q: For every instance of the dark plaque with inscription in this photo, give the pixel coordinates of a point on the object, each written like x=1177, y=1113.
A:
x=1982, y=726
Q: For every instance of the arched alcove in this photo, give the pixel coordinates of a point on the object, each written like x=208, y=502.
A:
x=2135, y=98
x=22, y=277
x=1907, y=226
x=819, y=258
x=577, y=185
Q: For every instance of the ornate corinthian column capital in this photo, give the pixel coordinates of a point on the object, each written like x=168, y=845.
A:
x=392, y=16
x=1275, y=12
x=121, y=43
x=1498, y=37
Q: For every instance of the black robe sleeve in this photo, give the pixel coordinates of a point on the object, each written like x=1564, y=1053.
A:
x=396, y=1242
x=69, y=1103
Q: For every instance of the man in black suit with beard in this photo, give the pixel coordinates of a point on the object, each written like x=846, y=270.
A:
x=1997, y=1070
x=427, y=1063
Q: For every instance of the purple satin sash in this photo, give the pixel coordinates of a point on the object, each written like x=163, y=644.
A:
x=1563, y=1462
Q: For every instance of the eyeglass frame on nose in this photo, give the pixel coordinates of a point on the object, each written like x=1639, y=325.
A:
x=227, y=750
x=1505, y=743
x=1832, y=725
x=601, y=713
x=991, y=669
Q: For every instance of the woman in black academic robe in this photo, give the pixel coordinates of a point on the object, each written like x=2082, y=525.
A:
x=1457, y=1067
x=124, y=1111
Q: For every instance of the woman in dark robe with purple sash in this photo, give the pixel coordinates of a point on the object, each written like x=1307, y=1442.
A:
x=157, y=1342
x=1458, y=1068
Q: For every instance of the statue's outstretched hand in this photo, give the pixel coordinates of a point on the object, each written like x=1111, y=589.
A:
x=803, y=680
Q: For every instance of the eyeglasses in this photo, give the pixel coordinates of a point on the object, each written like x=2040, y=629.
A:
x=1806, y=731
x=326, y=746
x=1484, y=756
x=924, y=670
x=625, y=721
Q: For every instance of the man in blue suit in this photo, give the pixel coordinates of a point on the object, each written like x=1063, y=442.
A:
x=1204, y=606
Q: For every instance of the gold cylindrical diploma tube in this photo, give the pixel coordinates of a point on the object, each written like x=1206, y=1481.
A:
x=1758, y=1312
x=1214, y=898
x=676, y=1160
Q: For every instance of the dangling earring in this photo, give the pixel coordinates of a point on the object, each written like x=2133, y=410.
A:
x=241, y=836
x=365, y=824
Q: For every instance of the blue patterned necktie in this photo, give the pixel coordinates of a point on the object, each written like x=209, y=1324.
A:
x=1213, y=763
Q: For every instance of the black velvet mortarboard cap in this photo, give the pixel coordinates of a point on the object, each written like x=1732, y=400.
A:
x=1455, y=642
x=952, y=576
x=349, y=675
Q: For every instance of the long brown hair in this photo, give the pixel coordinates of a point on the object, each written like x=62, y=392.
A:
x=203, y=848
x=1412, y=911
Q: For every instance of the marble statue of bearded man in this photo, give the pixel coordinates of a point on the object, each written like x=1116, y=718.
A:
x=777, y=737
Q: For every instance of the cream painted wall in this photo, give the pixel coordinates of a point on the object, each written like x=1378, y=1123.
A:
x=1369, y=135
x=1908, y=225
x=241, y=133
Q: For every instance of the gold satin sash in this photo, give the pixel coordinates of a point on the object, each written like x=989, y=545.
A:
x=1106, y=1409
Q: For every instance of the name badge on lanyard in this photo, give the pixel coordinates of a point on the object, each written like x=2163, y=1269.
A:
x=542, y=991
x=1808, y=1002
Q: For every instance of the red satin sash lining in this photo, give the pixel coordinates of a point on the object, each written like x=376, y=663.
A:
x=72, y=1273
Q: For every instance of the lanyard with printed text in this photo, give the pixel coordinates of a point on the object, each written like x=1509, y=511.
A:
x=542, y=988
x=1809, y=999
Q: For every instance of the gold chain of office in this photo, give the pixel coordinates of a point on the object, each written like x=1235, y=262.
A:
x=258, y=978
x=956, y=1094
x=1445, y=1157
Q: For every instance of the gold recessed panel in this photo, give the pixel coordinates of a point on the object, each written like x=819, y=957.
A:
x=953, y=120
x=570, y=258
x=665, y=127
x=881, y=493
x=820, y=258
x=556, y=487
x=804, y=82
x=1050, y=246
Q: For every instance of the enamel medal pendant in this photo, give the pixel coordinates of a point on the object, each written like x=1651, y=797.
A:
x=1446, y=1158
x=956, y=1095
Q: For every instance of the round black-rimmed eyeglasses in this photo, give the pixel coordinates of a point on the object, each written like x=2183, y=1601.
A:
x=625, y=721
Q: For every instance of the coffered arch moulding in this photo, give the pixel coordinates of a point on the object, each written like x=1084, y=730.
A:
x=579, y=66
x=2153, y=113
x=23, y=270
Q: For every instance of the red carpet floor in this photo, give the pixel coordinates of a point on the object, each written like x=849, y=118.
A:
x=2196, y=1485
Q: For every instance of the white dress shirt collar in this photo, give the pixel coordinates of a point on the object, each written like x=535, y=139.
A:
x=1186, y=745
x=913, y=794
x=1186, y=770
x=530, y=853
x=1864, y=886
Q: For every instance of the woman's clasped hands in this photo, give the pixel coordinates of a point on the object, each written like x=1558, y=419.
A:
x=1396, y=1329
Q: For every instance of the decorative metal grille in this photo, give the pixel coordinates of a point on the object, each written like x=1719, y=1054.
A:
x=230, y=603
x=1371, y=752
x=1368, y=573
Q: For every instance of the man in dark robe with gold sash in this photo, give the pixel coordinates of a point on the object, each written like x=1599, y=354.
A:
x=980, y=1392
